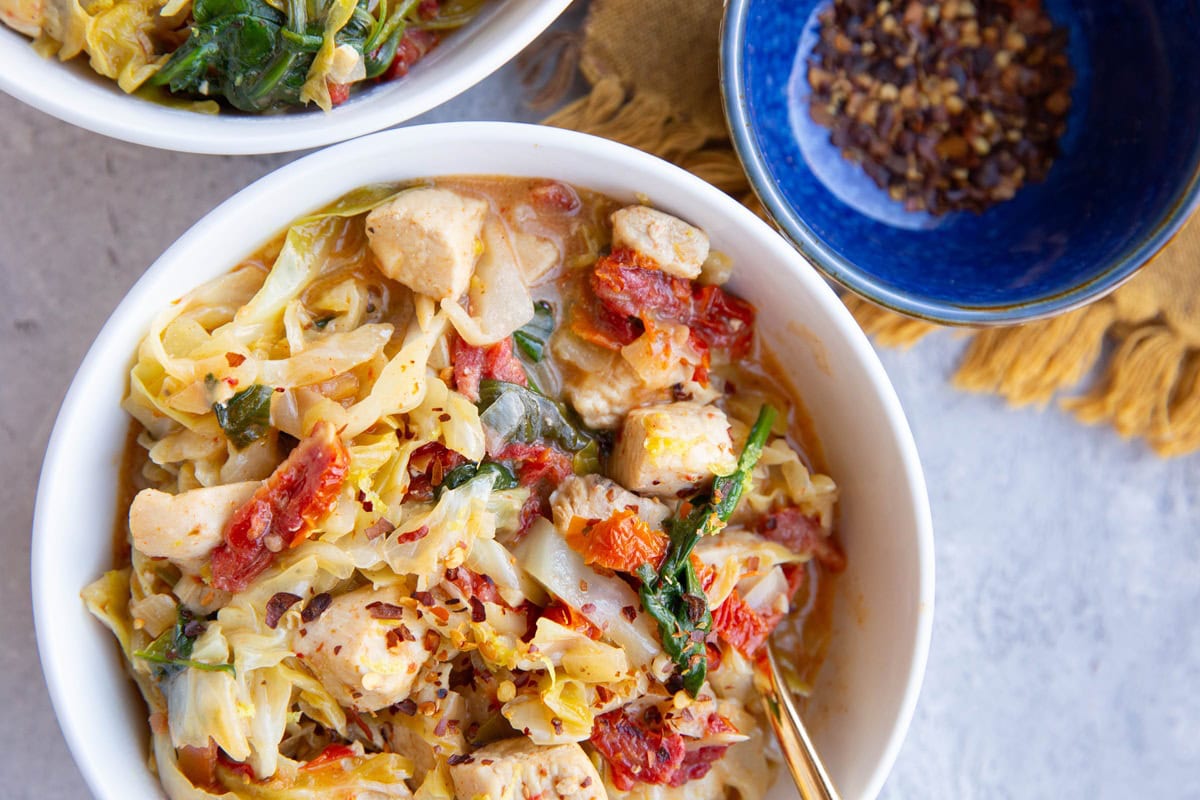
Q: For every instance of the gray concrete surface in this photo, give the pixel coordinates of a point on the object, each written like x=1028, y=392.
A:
x=1066, y=649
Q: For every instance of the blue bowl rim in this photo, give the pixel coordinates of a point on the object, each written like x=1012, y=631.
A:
x=836, y=267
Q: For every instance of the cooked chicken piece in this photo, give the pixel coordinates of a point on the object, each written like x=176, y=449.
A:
x=23, y=16
x=596, y=497
x=669, y=449
x=516, y=769
x=188, y=525
x=603, y=397
x=367, y=655
x=428, y=239
x=677, y=248
x=425, y=737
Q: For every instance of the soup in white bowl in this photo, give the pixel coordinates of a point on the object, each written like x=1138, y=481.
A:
x=536, y=431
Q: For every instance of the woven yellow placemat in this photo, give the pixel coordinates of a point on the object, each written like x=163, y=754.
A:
x=653, y=72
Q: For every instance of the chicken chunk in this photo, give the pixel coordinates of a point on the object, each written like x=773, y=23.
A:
x=515, y=769
x=606, y=388
x=367, y=655
x=428, y=239
x=596, y=497
x=677, y=248
x=185, y=526
x=669, y=449
x=23, y=16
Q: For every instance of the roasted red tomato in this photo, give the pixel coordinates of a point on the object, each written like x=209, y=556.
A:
x=283, y=510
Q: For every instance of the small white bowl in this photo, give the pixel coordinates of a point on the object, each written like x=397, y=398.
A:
x=869, y=684
x=74, y=93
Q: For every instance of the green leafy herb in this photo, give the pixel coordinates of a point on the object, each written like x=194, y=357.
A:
x=673, y=595
x=246, y=416
x=320, y=324
x=532, y=338
x=172, y=650
x=503, y=477
x=254, y=55
x=513, y=413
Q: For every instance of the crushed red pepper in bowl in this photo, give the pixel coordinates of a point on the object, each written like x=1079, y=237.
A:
x=948, y=105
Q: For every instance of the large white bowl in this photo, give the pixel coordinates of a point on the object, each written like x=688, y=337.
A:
x=868, y=686
x=72, y=92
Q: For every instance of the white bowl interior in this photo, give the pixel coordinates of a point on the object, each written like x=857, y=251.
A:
x=870, y=682
x=73, y=92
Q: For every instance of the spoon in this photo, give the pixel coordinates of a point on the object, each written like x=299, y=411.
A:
x=802, y=760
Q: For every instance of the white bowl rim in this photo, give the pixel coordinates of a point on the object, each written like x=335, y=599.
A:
x=108, y=111
x=447, y=134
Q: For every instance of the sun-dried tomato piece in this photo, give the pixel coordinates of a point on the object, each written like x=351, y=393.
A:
x=741, y=626
x=622, y=542
x=283, y=510
x=722, y=320
x=536, y=465
x=338, y=92
x=412, y=48
x=554, y=196
x=636, y=751
x=631, y=285
x=801, y=533
x=473, y=364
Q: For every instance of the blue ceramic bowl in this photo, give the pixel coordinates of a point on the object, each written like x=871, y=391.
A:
x=1127, y=177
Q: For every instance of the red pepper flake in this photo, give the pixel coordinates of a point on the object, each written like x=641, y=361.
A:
x=277, y=605
x=557, y=724
x=440, y=728
x=368, y=506
x=235, y=359
x=629, y=613
x=316, y=607
x=406, y=706
x=413, y=535
x=337, y=649
x=424, y=598
x=381, y=610
x=478, y=612
x=458, y=758
x=588, y=608
x=380, y=527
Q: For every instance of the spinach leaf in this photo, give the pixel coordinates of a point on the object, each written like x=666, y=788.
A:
x=513, y=413
x=172, y=649
x=253, y=55
x=503, y=476
x=532, y=337
x=674, y=595
x=246, y=416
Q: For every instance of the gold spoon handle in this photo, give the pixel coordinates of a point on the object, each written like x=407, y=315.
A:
x=802, y=760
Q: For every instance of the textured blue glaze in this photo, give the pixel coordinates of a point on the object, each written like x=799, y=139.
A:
x=1128, y=174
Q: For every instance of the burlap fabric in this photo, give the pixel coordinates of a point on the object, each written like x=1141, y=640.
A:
x=653, y=72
